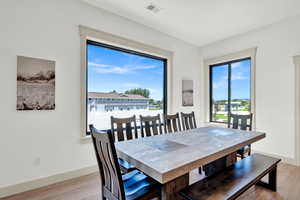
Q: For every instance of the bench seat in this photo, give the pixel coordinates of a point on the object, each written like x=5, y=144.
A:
x=234, y=180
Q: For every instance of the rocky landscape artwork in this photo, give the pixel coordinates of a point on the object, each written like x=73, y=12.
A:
x=187, y=93
x=35, y=84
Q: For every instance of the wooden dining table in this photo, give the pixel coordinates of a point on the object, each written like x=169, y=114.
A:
x=169, y=158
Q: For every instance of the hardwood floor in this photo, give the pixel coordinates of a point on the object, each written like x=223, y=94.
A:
x=88, y=188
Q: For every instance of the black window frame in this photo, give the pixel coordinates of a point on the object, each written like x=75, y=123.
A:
x=229, y=63
x=103, y=45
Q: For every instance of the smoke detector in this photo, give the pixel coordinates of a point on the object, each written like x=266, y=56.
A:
x=153, y=8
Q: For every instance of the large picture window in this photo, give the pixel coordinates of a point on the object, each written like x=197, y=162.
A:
x=123, y=83
x=230, y=89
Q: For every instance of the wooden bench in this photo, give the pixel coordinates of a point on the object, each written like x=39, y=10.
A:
x=236, y=179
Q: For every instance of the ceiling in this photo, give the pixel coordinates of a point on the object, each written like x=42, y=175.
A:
x=201, y=22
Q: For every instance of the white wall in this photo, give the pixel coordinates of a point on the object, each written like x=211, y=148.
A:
x=277, y=44
x=49, y=29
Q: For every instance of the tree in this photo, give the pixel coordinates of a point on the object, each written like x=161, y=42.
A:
x=144, y=92
x=245, y=102
x=151, y=101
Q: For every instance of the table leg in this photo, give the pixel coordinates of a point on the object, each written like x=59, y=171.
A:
x=170, y=190
x=220, y=164
x=231, y=159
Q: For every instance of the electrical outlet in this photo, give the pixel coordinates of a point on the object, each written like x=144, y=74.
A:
x=37, y=161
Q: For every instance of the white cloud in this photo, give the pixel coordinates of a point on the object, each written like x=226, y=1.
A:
x=239, y=76
x=142, y=67
x=236, y=65
x=131, y=85
x=112, y=69
x=156, y=93
x=93, y=64
x=221, y=83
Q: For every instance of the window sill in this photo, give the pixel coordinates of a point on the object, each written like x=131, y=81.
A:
x=85, y=139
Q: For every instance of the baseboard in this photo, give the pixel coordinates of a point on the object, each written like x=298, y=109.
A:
x=34, y=184
x=287, y=160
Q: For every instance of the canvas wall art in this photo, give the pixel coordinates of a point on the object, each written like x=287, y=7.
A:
x=35, y=84
x=187, y=93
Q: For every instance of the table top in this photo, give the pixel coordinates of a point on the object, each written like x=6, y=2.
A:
x=166, y=157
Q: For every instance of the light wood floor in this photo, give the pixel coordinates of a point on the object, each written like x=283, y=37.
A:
x=88, y=188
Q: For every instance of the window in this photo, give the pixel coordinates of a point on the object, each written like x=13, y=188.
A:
x=123, y=83
x=230, y=89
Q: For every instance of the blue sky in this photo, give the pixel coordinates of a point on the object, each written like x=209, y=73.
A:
x=240, y=81
x=110, y=70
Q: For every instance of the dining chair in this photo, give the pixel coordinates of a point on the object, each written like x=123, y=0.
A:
x=172, y=123
x=150, y=125
x=188, y=120
x=242, y=122
x=131, y=186
x=124, y=129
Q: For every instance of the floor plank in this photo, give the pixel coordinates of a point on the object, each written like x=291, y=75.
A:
x=88, y=188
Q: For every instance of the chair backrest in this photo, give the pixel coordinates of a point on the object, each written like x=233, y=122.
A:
x=150, y=125
x=188, y=120
x=110, y=174
x=242, y=122
x=121, y=127
x=172, y=123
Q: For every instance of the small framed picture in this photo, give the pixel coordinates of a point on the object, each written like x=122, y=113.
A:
x=187, y=93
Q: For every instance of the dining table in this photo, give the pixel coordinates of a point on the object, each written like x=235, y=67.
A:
x=168, y=158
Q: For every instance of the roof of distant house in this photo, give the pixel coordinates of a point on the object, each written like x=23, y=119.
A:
x=235, y=102
x=114, y=95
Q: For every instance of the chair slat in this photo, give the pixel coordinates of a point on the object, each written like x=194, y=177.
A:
x=235, y=123
x=129, y=131
x=107, y=181
x=191, y=126
x=169, y=127
x=120, y=134
x=243, y=125
x=107, y=158
x=147, y=128
x=186, y=123
x=154, y=127
x=174, y=125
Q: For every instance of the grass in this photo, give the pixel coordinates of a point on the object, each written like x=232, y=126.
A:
x=221, y=116
x=158, y=108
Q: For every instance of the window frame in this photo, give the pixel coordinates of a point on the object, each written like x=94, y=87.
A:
x=229, y=63
x=121, y=49
x=87, y=33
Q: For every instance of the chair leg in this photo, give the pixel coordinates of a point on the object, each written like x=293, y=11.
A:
x=200, y=170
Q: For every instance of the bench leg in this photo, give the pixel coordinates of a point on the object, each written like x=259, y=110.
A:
x=272, y=183
x=200, y=170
